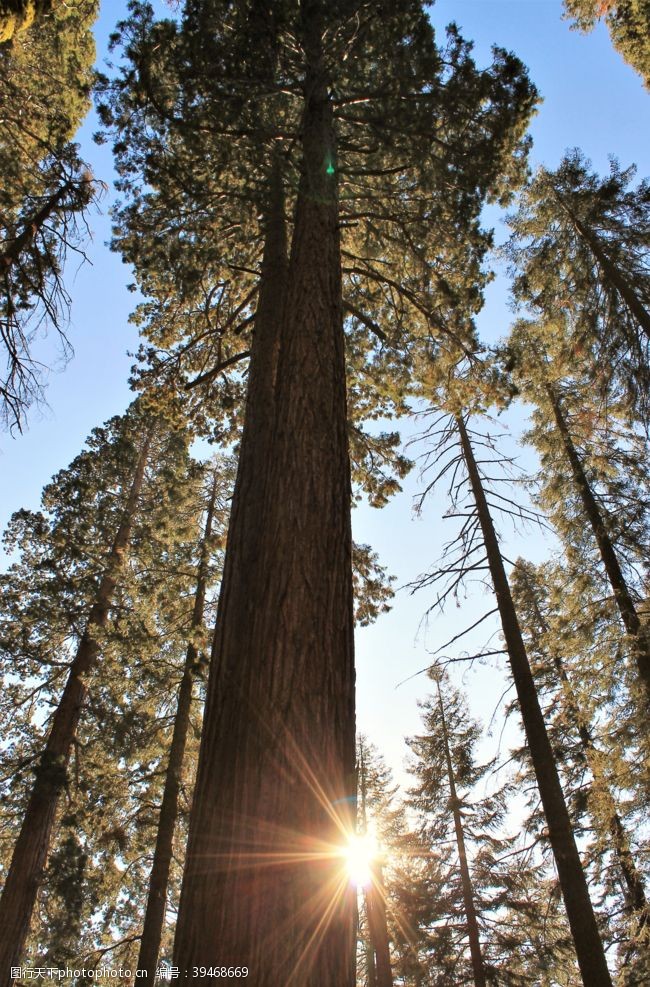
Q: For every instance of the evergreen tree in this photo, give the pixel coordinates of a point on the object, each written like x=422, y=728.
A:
x=580, y=257
x=59, y=620
x=479, y=549
x=629, y=26
x=433, y=770
x=288, y=84
x=568, y=439
x=45, y=76
x=160, y=870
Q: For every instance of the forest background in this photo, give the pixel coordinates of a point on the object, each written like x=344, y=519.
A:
x=592, y=100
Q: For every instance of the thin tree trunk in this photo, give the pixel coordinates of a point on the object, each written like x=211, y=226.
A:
x=465, y=878
x=32, y=846
x=371, y=969
x=263, y=885
x=622, y=595
x=378, y=926
x=610, y=271
x=636, y=903
x=378, y=953
x=582, y=920
x=159, y=879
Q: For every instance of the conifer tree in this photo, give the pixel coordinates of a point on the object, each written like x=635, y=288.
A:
x=45, y=76
x=287, y=87
x=580, y=248
x=436, y=723
x=377, y=947
x=560, y=404
x=83, y=557
x=479, y=549
x=546, y=632
x=158, y=882
x=629, y=26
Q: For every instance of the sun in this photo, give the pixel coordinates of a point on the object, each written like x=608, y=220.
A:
x=360, y=855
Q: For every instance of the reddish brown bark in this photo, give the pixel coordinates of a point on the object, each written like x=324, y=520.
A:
x=159, y=879
x=262, y=885
x=32, y=846
x=582, y=920
x=478, y=970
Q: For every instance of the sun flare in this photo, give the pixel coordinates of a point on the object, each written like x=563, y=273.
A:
x=360, y=854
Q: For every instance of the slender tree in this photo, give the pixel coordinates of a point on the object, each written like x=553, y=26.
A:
x=580, y=257
x=478, y=971
x=543, y=382
x=133, y=441
x=160, y=869
x=378, y=964
x=544, y=631
x=478, y=535
x=589, y=947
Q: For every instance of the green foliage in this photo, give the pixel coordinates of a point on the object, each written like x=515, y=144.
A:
x=206, y=105
x=508, y=887
x=580, y=258
x=45, y=77
x=108, y=813
x=629, y=26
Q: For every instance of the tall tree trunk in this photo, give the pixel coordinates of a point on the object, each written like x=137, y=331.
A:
x=465, y=878
x=32, y=846
x=264, y=886
x=379, y=969
x=622, y=595
x=159, y=879
x=378, y=926
x=582, y=921
x=636, y=903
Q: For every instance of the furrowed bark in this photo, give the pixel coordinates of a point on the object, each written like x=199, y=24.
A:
x=582, y=920
x=622, y=595
x=32, y=846
x=478, y=970
x=159, y=879
x=263, y=885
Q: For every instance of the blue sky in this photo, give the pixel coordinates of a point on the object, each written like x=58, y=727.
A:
x=592, y=100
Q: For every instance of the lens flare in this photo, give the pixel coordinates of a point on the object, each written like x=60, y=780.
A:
x=360, y=854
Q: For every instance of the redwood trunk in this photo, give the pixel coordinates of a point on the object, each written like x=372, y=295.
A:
x=159, y=879
x=622, y=595
x=263, y=885
x=32, y=846
x=582, y=921
x=466, y=880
